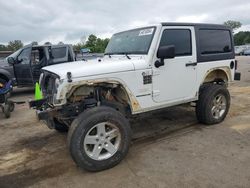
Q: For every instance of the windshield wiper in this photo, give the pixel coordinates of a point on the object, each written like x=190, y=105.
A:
x=126, y=54
x=119, y=53
x=109, y=54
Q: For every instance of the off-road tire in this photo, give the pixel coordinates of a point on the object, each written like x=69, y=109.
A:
x=85, y=122
x=60, y=127
x=205, y=103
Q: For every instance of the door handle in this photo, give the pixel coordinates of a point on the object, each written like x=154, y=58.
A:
x=191, y=64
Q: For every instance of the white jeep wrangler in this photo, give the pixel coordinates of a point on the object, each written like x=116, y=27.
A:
x=143, y=69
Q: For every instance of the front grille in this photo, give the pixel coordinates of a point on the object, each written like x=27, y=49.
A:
x=48, y=86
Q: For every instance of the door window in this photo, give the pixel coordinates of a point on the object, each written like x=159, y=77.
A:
x=58, y=53
x=24, y=56
x=38, y=57
x=180, y=38
x=215, y=41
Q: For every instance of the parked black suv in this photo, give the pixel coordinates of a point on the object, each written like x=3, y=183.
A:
x=23, y=66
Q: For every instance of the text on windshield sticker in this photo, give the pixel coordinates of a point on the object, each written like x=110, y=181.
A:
x=146, y=32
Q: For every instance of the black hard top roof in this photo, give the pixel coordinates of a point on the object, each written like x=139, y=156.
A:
x=199, y=25
x=45, y=45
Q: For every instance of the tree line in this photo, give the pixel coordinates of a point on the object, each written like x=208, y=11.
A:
x=93, y=43
x=11, y=46
x=240, y=38
x=98, y=45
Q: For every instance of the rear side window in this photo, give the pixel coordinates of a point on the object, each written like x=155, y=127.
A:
x=215, y=41
x=180, y=38
x=58, y=53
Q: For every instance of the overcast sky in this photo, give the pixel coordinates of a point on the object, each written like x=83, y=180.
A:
x=68, y=21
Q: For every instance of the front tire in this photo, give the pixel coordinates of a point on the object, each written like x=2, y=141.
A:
x=99, y=138
x=213, y=104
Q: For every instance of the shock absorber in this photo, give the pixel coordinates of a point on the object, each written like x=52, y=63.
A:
x=97, y=96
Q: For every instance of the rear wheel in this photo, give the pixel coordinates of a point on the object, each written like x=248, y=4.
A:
x=99, y=138
x=213, y=104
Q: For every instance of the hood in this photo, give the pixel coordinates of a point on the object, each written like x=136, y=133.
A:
x=4, y=63
x=93, y=67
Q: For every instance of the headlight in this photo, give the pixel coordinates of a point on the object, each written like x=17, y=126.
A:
x=41, y=78
x=57, y=83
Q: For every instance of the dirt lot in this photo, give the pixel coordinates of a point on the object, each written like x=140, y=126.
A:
x=169, y=149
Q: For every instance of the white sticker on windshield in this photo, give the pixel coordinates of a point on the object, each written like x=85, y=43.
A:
x=146, y=32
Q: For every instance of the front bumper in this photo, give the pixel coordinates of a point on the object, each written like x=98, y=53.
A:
x=43, y=112
x=37, y=104
x=47, y=116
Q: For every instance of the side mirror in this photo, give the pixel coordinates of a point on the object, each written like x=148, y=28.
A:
x=11, y=60
x=166, y=52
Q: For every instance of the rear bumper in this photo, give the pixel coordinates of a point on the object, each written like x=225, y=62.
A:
x=237, y=76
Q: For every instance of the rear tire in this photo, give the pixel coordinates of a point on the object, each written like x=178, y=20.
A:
x=99, y=138
x=213, y=104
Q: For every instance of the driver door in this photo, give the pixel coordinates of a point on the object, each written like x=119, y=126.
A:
x=176, y=79
x=22, y=68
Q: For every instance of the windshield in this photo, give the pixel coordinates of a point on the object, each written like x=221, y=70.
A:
x=15, y=54
x=135, y=41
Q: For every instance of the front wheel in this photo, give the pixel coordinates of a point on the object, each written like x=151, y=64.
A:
x=213, y=104
x=99, y=138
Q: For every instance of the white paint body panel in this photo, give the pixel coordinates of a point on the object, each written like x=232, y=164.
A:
x=174, y=82
x=92, y=67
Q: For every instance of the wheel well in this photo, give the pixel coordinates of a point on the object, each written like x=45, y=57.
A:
x=218, y=76
x=106, y=94
x=4, y=77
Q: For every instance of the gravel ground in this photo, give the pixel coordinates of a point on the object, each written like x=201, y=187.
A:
x=169, y=149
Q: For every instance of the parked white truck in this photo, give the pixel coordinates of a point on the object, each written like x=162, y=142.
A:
x=143, y=69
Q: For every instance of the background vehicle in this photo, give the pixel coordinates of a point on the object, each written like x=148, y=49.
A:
x=143, y=69
x=246, y=52
x=239, y=50
x=23, y=67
